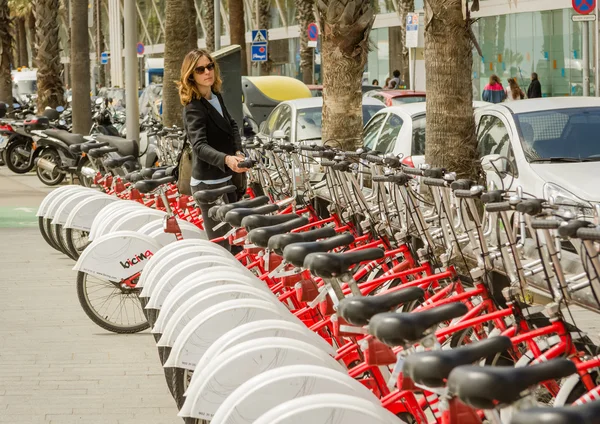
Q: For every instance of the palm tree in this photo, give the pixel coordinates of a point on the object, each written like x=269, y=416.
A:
x=345, y=28
x=49, y=82
x=306, y=15
x=209, y=23
x=193, y=28
x=6, y=42
x=450, y=132
x=177, y=44
x=31, y=32
x=22, y=10
x=237, y=28
x=264, y=18
x=80, y=67
x=99, y=42
x=403, y=7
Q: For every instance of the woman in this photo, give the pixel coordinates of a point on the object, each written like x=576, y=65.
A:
x=493, y=92
x=535, y=88
x=513, y=91
x=211, y=131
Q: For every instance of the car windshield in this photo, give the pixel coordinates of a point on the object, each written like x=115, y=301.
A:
x=309, y=121
x=568, y=134
x=396, y=101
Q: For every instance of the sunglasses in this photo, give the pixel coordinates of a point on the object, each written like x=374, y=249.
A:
x=201, y=69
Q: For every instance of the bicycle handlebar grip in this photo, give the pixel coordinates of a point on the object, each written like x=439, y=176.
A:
x=570, y=229
x=342, y=166
x=392, y=162
x=530, y=207
x=328, y=163
x=467, y=194
x=545, y=224
x=352, y=154
x=498, y=207
x=381, y=178
x=438, y=182
x=412, y=171
x=306, y=148
x=494, y=196
x=374, y=159
x=463, y=184
x=434, y=173
x=589, y=234
x=247, y=163
x=328, y=154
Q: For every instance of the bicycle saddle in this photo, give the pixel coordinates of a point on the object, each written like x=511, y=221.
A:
x=261, y=236
x=133, y=177
x=330, y=265
x=360, y=310
x=432, y=368
x=296, y=253
x=251, y=222
x=86, y=147
x=218, y=212
x=407, y=328
x=116, y=162
x=587, y=413
x=98, y=152
x=211, y=195
x=235, y=216
x=148, y=172
x=279, y=242
x=486, y=387
x=147, y=186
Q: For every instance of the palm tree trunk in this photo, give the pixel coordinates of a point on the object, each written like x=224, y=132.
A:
x=193, y=28
x=6, y=42
x=345, y=28
x=209, y=23
x=22, y=47
x=99, y=42
x=404, y=7
x=306, y=15
x=31, y=30
x=450, y=132
x=237, y=28
x=50, y=85
x=80, y=67
x=263, y=23
x=177, y=45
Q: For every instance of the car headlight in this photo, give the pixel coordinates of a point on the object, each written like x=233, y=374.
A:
x=567, y=200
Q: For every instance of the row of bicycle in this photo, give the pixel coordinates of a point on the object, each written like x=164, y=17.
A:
x=298, y=326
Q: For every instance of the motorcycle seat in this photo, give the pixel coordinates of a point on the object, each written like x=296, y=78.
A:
x=65, y=136
x=126, y=147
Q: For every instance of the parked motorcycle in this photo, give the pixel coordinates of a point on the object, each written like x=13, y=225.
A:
x=102, y=119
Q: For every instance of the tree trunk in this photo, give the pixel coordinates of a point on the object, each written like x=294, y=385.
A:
x=209, y=23
x=177, y=45
x=6, y=42
x=404, y=7
x=31, y=30
x=99, y=43
x=22, y=34
x=80, y=69
x=193, y=28
x=306, y=15
x=450, y=132
x=263, y=23
x=345, y=27
x=50, y=85
x=238, y=30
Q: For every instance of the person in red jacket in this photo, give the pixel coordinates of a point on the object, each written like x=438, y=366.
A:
x=494, y=92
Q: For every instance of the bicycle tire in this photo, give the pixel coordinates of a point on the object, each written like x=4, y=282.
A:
x=180, y=382
x=62, y=242
x=48, y=227
x=96, y=318
x=71, y=244
x=42, y=228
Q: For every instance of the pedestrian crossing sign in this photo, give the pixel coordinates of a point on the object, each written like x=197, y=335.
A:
x=259, y=36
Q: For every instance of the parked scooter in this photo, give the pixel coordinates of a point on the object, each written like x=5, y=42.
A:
x=102, y=121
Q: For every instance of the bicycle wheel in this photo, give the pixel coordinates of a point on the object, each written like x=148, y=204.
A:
x=49, y=232
x=42, y=227
x=77, y=241
x=58, y=231
x=181, y=379
x=110, y=305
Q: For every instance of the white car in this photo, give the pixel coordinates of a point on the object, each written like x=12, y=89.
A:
x=400, y=130
x=550, y=147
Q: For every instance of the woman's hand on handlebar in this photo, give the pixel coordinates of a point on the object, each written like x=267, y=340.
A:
x=232, y=162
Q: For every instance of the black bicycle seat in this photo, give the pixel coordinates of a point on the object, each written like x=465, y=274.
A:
x=211, y=195
x=486, y=387
x=116, y=162
x=279, y=242
x=261, y=236
x=407, y=328
x=251, y=222
x=218, y=212
x=86, y=147
x=235, y=216
x=149, y=172
x=133, y=177
x=161, y=173
x=296, y=253
x=330, y=265
x=360, y=310
x=432, y=368
x=588, y=413
x=99, y=152
x=147, y=186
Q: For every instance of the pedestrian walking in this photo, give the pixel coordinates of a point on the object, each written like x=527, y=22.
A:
x=375, y=82
x=535, y=88
x=493, y=92
x=211, y=131
x=513, y=91
x=397, y=82
x=387, y=83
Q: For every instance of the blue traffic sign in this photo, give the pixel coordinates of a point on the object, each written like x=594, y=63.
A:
x=104, y=58
x=140, y=48
x=312, y=31
x=584, y=7
x=259, y=52
x=259, y=36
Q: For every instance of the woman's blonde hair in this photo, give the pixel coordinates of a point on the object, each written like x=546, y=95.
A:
x=188, y=90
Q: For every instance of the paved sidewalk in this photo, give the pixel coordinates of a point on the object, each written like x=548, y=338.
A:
x=56, y=366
